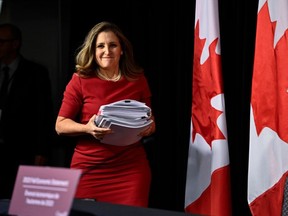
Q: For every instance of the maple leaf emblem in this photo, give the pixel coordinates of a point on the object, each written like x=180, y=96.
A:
x=270, y=81
x=207, y=83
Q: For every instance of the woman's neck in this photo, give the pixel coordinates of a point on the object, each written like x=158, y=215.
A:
x=109, y=76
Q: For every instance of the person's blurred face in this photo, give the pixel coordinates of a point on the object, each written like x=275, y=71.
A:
x=108, y=51
x=8, y=46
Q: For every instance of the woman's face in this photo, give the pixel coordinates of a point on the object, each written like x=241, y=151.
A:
x=108, y=51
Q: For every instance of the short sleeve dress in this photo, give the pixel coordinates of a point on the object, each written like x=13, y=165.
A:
x=115, y=174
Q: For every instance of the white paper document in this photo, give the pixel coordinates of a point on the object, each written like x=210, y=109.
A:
x=126, y=118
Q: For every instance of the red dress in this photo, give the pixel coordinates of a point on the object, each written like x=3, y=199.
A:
x=115, y=174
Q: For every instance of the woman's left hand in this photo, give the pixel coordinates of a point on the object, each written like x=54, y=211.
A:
x=149, y=131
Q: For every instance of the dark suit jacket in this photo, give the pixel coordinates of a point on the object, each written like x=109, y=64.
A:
x=27, y=120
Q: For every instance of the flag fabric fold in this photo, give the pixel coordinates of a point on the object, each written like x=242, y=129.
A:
x=208, y=171
x=268, y=144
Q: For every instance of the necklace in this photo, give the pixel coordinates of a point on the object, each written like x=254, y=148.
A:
x=105, y=77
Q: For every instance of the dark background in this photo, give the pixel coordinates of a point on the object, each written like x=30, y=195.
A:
x=162, y=34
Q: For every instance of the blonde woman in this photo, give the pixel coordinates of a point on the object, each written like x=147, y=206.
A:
x=105, y=72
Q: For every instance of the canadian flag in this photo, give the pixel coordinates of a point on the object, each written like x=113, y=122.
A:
x=208, y=171
x=268, y=150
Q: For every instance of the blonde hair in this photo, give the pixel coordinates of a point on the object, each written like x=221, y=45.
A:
x=86, y=64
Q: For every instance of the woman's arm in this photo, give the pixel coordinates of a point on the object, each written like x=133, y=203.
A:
x=68, y=127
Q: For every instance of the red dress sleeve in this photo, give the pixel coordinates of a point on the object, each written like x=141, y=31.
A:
x=72, y=98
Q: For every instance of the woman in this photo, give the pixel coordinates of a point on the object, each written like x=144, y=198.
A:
x=105, y=72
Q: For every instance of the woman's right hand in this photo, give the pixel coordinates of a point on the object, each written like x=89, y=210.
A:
x=68, y=127
x=97, y=132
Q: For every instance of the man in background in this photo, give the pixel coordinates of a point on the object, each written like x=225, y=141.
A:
x=26, y=110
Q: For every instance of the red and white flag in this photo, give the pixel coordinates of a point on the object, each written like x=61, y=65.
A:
x=268, y=153
x=208, y=172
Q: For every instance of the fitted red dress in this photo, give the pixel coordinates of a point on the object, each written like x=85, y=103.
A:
x=115, y=174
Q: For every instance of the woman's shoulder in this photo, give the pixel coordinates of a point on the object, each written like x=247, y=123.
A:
x=77, y=77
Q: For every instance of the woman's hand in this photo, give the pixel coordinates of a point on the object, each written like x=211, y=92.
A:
x=97, y=132
x=66, y=126
x=150, y=130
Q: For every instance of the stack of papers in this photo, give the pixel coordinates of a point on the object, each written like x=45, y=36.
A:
x=126, y=118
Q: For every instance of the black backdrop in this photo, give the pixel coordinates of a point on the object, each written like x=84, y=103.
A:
x=162, y=34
